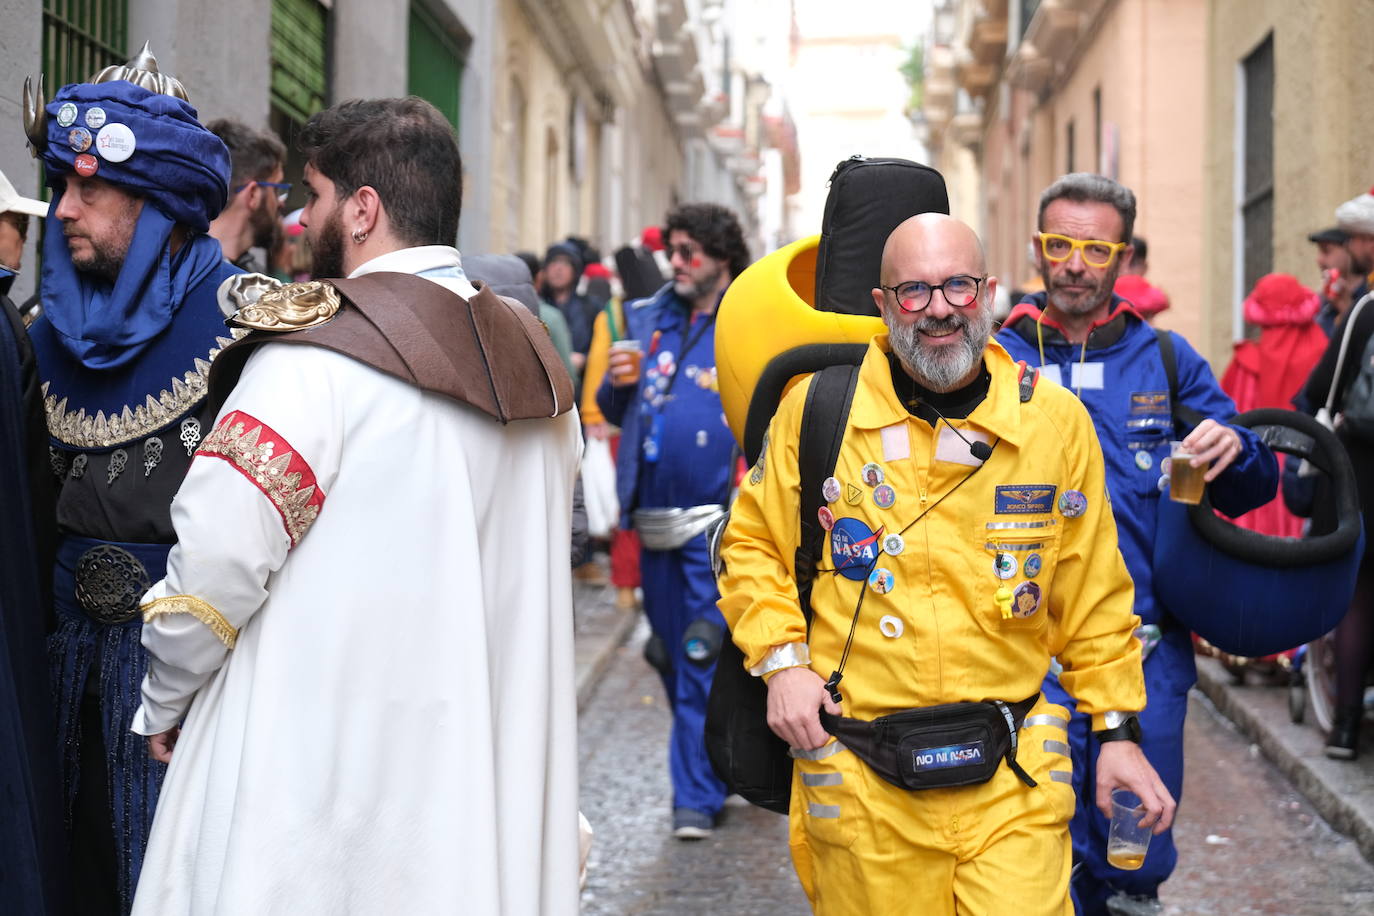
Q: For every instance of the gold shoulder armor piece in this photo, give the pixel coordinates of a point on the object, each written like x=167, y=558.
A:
x=290, y=308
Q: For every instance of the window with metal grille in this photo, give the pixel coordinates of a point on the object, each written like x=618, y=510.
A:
x=81, y=38
x=299, y=58
x=1257, y=198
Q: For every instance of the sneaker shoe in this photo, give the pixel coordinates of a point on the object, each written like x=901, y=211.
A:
x=690, y=824
x=1344, y=740
x=1127, y=905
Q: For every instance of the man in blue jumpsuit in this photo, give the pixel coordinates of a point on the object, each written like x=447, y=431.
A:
x=674, y=473
x=1090, y=340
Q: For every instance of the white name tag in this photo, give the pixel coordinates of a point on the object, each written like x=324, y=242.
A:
x=951, y=448
x=896, y=442
x=1087, y=375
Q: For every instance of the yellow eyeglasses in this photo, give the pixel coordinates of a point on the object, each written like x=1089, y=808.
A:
x=1096, y=253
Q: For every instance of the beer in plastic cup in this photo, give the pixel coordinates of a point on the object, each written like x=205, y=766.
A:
x=1185, y=481
x=1127, y=841
x=636, y=351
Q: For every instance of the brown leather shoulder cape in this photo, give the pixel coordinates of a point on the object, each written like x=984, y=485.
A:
x=488, y=352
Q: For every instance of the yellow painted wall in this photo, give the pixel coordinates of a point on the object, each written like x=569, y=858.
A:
x=1324, y=132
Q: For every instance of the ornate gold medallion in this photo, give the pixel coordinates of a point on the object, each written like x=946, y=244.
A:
x=291, y=307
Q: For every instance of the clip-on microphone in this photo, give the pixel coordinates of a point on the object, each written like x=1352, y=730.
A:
x=980, y=450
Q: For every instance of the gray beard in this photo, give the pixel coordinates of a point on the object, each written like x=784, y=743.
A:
x=941, y=370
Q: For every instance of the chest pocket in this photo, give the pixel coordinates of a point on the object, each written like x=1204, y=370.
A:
x=1016, y=572
x=1146, y=449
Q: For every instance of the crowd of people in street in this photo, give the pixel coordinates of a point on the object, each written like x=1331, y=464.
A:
x=291, y=506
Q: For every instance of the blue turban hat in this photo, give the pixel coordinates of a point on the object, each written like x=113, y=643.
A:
x=172, y=161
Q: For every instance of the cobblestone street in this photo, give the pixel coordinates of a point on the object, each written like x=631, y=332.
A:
x=636, y=866
x=1249, y=843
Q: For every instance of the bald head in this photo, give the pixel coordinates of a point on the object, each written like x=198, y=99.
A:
x=931, y=247
x=937, y=334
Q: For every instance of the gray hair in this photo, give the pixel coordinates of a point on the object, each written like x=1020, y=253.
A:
x=1084, y=187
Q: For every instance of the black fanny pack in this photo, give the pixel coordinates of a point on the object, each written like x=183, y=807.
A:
x=937, y=747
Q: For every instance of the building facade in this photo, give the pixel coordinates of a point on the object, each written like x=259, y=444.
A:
x=1288, y=135
x=1019, y=92
x=583, y=117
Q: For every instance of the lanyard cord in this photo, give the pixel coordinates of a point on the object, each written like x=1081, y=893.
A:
x=833, y=685
x=690, y=341
x=1082, y=356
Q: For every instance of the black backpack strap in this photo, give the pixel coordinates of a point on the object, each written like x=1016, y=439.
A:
x=1185, y=418
x=824, y=420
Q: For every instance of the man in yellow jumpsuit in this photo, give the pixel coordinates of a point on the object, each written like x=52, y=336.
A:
x=977, y=531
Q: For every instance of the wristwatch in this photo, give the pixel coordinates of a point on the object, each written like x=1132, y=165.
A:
x=1121, y=726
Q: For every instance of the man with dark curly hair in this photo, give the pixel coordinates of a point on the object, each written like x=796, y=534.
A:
x=674, y=476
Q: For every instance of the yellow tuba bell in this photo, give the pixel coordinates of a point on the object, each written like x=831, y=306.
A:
x=768, y=310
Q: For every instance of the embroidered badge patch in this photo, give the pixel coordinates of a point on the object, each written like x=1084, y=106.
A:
x=853, y=548
x=1146, y=402
x=1024, y=499
x=951, y=755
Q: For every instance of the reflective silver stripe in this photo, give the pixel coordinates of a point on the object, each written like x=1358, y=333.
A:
x=990, y=545
x=999, y=526
x=816, y=810
x=822, y=779
x=787, y=655
x=819, y=753
x=1061, y=776
x=1057, y=747
x=1047, y=719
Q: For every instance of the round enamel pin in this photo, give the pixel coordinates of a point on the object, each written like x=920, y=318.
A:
x=1031, y=567
x=85, y=165
x=1162, y=482
x=827, y=518
x=115, y=142
x=1025, y=600
x=1072, y=503
x=79, y=139
x=66, y=115
x=872, y=474
x=884, y=496
x=893, y=545
x=830, y=489
x=881, y=581
x=1004, y=565
x=1144, y=460
x=95, y=118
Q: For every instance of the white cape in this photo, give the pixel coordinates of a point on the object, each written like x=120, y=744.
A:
x=394, y=727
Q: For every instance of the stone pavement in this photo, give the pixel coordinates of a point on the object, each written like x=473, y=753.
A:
x=1341, y=791
x=599, y=629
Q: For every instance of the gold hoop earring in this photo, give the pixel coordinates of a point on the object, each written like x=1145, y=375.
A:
x=359, y=236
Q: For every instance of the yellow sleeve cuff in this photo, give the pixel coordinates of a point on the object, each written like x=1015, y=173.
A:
x=189, y=604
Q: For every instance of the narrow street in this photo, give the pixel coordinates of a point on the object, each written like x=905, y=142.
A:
x=1249, y=843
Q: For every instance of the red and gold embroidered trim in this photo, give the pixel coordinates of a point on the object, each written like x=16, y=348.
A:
x=190, y=604
x=268, y=460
